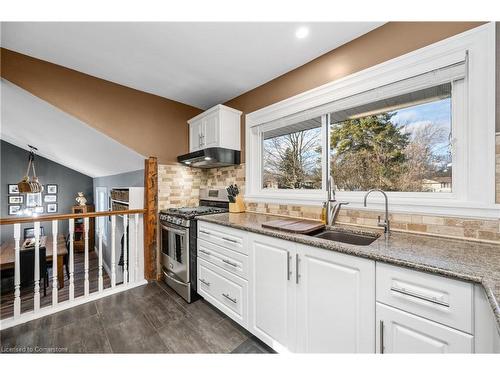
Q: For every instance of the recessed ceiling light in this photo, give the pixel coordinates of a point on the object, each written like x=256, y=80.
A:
x=208, y=158
x=187, y=162
x=302, y=32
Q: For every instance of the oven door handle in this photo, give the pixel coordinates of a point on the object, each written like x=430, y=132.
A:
x=182, y=232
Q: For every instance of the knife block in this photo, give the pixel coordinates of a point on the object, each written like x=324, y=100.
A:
x=238, y=206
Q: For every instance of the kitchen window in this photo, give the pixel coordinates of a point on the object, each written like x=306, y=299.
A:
x=292, y=156
x=403, y=143
x=420, y=127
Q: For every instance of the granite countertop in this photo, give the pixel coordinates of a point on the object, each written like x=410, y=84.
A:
x=466, y=260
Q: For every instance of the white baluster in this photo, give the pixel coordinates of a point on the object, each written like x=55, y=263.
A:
x=17, y=272
x=136, y=262
x=54, y=263
x=86, y=263
x=101, y=286
x=113, y=272
x=71, y=260
x=37, y=267
x=125, y=250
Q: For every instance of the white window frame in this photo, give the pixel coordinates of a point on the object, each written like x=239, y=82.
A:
x=473, y=129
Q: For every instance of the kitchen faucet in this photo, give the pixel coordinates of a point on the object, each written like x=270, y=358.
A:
x=332, y=211
x=386, y=223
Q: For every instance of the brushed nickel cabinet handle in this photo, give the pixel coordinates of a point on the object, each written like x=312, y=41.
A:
x=288, y=259
x=205, y=282
x=419, y=296
x=233, y=300
x=230, y=263
x=297, y=268
x=204, y=252
x=229, y=239
x=204, y=232
x=381, y=338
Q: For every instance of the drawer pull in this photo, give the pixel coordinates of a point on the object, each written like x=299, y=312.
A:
x=230, y=263
x=205, y=252
x=229, y=240
x=205, y=282
x=288, y=272
x=419, y=296
x=381, y=334
x=204, y=232
x=233, y=300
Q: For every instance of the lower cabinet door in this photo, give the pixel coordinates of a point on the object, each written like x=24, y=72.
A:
x=272, y=292
x=335, y=302
x=401, y=332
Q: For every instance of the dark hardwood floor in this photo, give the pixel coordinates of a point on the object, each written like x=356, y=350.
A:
x=7, y=297
x=146, y=319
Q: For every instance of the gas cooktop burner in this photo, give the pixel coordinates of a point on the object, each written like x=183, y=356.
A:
x=190, y=212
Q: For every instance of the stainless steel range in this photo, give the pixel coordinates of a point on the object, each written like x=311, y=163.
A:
x=178, y=227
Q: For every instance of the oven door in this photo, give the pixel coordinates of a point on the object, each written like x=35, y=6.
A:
x=174, y=244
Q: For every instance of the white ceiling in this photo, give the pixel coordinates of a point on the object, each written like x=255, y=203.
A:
x=201, y=64
x=26, y=119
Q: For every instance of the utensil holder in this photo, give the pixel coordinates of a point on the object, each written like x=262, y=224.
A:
x=238, y=206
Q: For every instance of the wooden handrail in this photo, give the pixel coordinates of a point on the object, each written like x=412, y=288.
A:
x=21, y=220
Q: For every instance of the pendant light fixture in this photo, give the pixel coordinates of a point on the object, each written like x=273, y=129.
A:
x=30, y=184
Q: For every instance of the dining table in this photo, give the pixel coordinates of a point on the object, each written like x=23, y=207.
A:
x=7, y=254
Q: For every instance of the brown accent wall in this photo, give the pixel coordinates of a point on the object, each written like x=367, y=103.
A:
x=384, y=43
x=148, y=124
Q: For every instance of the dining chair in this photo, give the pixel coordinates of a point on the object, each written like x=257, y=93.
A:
x=27, y=270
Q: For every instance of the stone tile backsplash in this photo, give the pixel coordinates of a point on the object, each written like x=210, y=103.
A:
x=179, y=186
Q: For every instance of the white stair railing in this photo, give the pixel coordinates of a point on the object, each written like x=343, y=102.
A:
x=113, y=251
x=17, y=271
x=54, y=263
x=125, y=250
x=86, y=261
x=55, y=249
x=36, y=302
x=99, y=266
x=71, y=259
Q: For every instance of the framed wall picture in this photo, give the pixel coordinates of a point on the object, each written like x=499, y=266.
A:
x=33, y=199
x=52, y=208
x=13, y=189
x=39, y=210
x=50, y=198
x=51, y=189
x=13, y=210
x=16, y=199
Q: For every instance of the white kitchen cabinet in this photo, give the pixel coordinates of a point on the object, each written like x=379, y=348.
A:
x=272, y=291
x=335, y=302
x=402, y=332
x=218, y=126
x=305, y=299
x=312, y=300
x=195, y=132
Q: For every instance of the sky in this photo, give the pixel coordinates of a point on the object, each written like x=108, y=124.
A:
x=438, y=113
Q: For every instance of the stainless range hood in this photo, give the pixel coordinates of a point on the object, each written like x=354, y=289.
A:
x=213, y=157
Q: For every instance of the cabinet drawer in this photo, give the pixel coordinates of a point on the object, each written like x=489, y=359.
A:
x=229, y=238
x=225, y=291
x=437, y=298
x=226, y=259
x=401, y=332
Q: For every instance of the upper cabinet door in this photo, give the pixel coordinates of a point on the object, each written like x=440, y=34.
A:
x=211, y=130
x=272, y=291
x=218, y=126
x=335, y=302
x=401, y=332
x=195, y=135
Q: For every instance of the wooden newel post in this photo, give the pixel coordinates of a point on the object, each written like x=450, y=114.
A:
x=150, y=217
